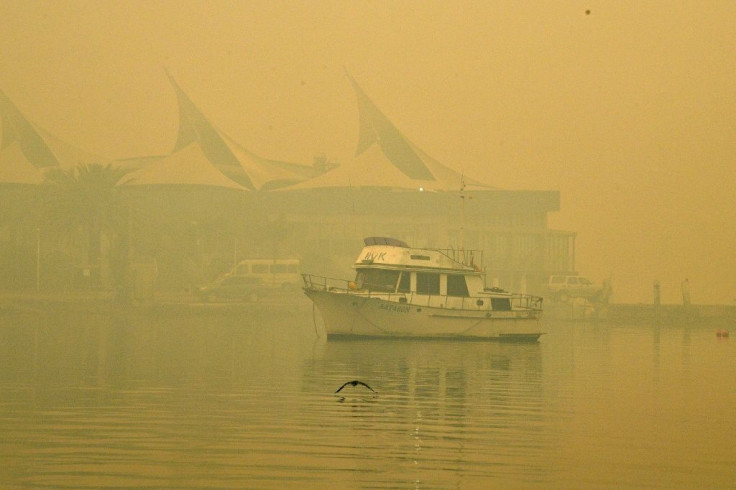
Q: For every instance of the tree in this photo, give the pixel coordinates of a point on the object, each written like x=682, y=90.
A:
x=87, y=200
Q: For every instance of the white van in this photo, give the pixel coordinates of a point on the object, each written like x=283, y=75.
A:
x=282, y=273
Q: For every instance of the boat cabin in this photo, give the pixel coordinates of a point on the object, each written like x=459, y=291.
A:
x=425, y=276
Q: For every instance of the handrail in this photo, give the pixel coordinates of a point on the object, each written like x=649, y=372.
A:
x=527, y=301
x=323, y=283
x=468, y=257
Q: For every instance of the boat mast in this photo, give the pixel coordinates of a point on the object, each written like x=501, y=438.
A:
x=462, y=216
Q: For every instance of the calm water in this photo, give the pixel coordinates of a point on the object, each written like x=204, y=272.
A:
x=90, y=400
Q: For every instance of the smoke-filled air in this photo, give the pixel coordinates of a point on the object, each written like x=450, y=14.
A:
x=367, y=243
x=627, y=109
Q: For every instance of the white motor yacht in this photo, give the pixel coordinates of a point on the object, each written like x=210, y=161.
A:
x=399, y=291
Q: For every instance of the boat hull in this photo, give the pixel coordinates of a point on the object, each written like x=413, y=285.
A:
x=355, y=315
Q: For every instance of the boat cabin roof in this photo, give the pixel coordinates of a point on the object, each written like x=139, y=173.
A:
x=382, y=240
x=388, y=253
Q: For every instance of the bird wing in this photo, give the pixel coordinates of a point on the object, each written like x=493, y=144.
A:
x=343, y=386
x=360, y=382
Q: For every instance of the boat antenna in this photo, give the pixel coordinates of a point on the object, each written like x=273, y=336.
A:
x=462, y=214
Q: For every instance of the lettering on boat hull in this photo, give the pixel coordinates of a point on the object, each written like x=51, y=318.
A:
x=345, y=315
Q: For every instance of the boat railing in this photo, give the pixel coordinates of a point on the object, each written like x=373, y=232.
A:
x=527, y=301
x=322, y=283
x=473, y=258
x=325, y=283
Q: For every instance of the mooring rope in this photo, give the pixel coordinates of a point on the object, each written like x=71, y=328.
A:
x=314, y=320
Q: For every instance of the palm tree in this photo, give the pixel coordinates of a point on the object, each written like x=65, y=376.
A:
x=87, y=200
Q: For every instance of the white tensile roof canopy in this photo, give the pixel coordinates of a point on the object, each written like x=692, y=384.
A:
x=27, y=151
x=203, y=155
x=187, y=166
x=386, y=159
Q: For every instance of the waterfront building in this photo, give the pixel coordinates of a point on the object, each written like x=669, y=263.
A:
x=210, y=202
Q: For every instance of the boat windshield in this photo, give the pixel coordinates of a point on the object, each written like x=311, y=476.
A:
x=377, y=279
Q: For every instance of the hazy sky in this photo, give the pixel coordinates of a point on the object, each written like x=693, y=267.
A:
x=629, y=110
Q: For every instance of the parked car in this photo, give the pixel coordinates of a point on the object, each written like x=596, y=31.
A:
x=283, y=272
x=232, y=287
x=563, y=287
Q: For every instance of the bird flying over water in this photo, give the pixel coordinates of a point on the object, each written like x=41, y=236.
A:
x=355, y=382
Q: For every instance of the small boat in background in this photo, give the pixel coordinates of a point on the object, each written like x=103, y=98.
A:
x=399, y=291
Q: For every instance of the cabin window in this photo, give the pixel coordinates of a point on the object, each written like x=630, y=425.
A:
x=428, y=283
x=456, y=285
x=405, y=282
x=278, y=268
x=242, y=269
x=259, y=268
x=377, y=280
x=501, y=304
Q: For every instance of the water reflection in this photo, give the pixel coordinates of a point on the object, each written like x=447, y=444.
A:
x=247, y=399
x=472, y=408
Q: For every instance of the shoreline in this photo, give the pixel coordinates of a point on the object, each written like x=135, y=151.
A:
x=183, y=302
x=166, y=302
